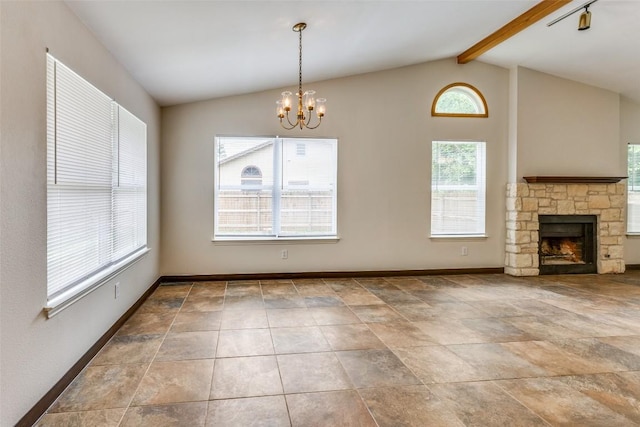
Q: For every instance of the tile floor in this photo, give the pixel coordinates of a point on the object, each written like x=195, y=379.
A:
x=461, y=350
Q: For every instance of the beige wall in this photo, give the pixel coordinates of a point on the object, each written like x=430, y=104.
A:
x=384, y=127
x=630, y=133
x=36, y=352
x=566, y=128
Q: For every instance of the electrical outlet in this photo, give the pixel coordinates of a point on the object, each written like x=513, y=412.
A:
x=117, y=290
x=464, y=251
x=284, y=254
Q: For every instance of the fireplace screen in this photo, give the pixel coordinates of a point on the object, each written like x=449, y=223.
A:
x=561, y=250
x=567, y=244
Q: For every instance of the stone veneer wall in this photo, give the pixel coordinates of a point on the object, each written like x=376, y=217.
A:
x=526, y=201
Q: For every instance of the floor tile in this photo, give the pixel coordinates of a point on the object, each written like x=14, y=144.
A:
x=102, y=418
x=208, y=289
x=496, y=362
x=630, y=344
x=611, y=358
x=351, y=337
x=316, y=288
x=278, y=288
x=358, y=296
x=484, y=404
x=147, y=324
x=559, y=404
x=302, y=373
x=333, y=316
x=408, y=406
x=188, y=345
x=619, y=392
x=414, y=311
x=400, y=334
x=303, y=339
x=328, y=409
x=290, y=317
x=178, y=290
x=249, y=288
x=244, y=342
x=552, y=358
x=437, y=364
x=190, y=414
x=203, y=303
x=445, y=331
x=375, y=368
x=287, y=301
x=243, y=302
x=267, y=411
x=541, y=327
x=197, y=321
x=244, y=319
x=164, y=304
x=494, y=329
x=128, y=349
x=101, y=387
x=173, y=382
x=323, y=301
x=245, y=377
x=375, y=313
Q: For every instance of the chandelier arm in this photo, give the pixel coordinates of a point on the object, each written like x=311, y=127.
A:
x=287, y=128
x=291, y=123
x=313, y=127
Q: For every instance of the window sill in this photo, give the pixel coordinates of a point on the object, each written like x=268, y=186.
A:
x=633, y=235
x=460, y=237
x=60, y=302
x=274, y=240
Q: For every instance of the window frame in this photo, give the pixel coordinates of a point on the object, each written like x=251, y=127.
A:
x=631, y=178
x=277, y=187
x=480, y=187
x=467, y=88
x=127, y=172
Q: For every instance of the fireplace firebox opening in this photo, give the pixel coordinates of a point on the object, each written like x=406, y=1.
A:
x=568, y=244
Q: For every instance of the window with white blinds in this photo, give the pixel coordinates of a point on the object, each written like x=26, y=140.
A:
x=96, y=184
x=633, y=189
x=458, y=188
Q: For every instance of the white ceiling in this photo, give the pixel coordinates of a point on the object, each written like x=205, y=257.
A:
x=184, y=51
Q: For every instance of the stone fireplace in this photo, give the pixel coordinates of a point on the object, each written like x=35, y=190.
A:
x=528, y=202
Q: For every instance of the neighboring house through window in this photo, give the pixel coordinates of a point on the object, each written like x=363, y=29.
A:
x=292, y=196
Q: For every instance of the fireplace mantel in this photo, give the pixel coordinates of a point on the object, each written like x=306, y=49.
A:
x=573, y=179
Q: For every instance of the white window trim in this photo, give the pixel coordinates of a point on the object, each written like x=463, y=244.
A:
x=276, y=189
x=70, y=296
x=60, y=300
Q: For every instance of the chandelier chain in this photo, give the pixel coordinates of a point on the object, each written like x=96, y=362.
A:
x=300, y=63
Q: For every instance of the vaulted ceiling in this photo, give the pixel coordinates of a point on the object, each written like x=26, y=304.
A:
x=184, y=51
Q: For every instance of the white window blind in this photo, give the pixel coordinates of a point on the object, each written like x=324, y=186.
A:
x=458, y=188
x=633, y=189
x=295, y=198
x=96, y=182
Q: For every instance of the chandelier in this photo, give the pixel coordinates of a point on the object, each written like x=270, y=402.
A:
x=306, y=101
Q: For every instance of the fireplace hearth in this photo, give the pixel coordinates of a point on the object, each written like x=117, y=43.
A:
x=567, y=244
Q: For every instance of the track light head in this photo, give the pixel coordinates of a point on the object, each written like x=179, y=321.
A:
x=585, y=20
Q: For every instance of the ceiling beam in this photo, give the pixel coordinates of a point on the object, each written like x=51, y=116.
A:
x=531, y=16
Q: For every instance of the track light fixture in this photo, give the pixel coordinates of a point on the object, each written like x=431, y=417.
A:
x=585, y=20
x=585, y=17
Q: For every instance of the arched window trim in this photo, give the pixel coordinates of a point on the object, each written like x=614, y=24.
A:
x=468, y=86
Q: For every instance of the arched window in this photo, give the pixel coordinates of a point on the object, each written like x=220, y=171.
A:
x=459, y=100
x=251, y=175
